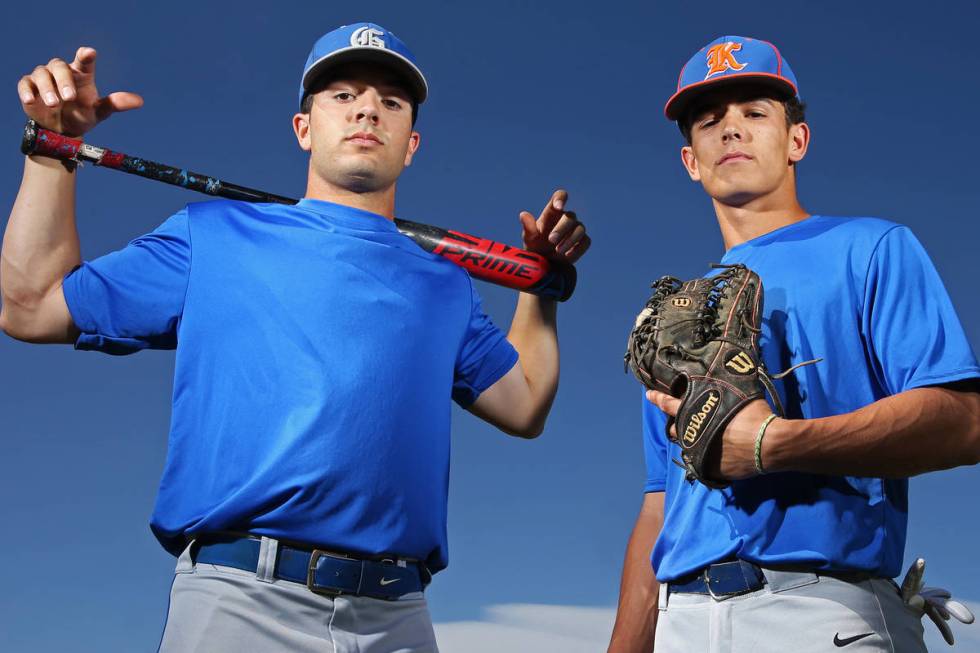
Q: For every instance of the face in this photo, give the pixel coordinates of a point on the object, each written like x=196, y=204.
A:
x=359, y=129
x=741, y=148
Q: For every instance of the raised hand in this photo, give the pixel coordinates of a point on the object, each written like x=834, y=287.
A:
x=62, y=96
x=557, y=234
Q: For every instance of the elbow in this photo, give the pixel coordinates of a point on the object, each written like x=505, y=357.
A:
x=973, y=421
x=528, y=430
x=13, y=318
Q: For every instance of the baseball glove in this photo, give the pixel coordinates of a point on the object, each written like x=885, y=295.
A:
x=698, y=341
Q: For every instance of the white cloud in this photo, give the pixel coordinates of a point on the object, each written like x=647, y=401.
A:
x=534, y=628
x=529, y=628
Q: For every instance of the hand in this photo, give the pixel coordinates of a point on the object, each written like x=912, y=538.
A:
x=556, y=234
x=933, y=601
x=62, y=96
x=733, y=456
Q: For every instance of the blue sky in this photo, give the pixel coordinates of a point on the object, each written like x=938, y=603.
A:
x=525, y=97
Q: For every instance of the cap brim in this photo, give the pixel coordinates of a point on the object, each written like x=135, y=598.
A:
x=404, y=68
x=681, y=101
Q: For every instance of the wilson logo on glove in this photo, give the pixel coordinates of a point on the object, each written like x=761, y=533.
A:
x=681, y=302
x=740, y=363
x=699, y=418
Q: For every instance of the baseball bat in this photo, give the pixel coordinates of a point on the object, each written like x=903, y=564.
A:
x=484, y=259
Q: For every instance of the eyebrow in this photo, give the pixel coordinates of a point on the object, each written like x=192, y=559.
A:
x=710, y=107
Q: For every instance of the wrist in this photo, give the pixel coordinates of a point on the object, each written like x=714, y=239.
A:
x=775, y=449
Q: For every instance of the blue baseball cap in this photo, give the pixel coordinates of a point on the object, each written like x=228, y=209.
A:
x=363, y=42
x=727, y=60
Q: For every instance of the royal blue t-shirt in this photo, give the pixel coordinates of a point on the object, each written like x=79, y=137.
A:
x=862, y=294
x=318, y=351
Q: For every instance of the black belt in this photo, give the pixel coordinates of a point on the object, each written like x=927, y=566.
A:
x=735, y=577
x=723, y=579
x=325, y=572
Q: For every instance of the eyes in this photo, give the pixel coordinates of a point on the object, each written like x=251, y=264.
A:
x=709, y=120
x=389, y=102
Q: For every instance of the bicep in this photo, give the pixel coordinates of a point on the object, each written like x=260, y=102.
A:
x=504, y=401
x=49, y=323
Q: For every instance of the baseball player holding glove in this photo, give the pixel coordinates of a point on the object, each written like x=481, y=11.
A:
x=318, y=351
x=779, y=525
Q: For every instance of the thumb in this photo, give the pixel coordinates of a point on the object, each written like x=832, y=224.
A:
x=115, y=102
x=530, y=226
x=664, y=402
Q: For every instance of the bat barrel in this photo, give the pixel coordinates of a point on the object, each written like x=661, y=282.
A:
x=495, y=262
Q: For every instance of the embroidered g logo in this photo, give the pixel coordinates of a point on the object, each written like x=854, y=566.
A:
x=367, y=37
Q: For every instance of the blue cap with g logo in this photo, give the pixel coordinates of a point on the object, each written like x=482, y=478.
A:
x=364, y=42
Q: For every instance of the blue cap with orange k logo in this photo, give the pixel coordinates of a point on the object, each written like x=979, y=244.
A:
x=727, y=60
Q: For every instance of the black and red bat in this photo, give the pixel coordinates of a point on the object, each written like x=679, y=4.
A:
x=484, y=259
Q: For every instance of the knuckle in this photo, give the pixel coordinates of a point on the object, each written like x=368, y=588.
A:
x=55, y=61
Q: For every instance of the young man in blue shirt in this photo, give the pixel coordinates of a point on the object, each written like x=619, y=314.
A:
x=798, y=553
x=318, y=350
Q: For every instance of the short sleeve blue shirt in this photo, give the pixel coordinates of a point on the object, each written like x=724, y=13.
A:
x=862, y=294
x=318, y=351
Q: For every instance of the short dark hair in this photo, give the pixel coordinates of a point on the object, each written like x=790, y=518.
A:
x=794, y=107
x=324, y=80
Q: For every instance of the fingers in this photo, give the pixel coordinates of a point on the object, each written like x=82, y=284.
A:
x=44, y=86
x=27, y=91
x=567, y=233
x=664, y=402
x=552, y=211
x=960, y=611
x=913, y=579
x=940, y=624
x=84, y=62
x=115, y=102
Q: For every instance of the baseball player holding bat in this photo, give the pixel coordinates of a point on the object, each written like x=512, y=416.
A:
x=789, y=537
x=318, y=350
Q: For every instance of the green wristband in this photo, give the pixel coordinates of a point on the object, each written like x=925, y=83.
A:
x=758, y=443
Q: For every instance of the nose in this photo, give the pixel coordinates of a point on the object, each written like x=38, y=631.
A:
x=367, y=108
x=731, y=131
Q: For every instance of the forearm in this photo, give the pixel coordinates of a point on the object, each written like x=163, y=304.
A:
x=40, y=244
x=534, y=334
x=636, y=615
x=914, y=432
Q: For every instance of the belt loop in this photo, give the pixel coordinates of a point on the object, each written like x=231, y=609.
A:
x=265, y=570
x=360, y=578
x=662, y=597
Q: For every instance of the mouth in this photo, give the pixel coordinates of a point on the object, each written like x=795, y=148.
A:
x=363, y=138
x=731, y=157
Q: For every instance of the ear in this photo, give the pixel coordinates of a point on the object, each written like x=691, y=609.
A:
x=799, y=141
x=301, y=127
x=413, y=145
x=690, y=163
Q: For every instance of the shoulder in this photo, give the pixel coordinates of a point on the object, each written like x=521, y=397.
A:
x=859, y=236
x=864, y=227
x=234, y=207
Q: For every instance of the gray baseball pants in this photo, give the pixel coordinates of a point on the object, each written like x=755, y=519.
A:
x=795, y=612
x=215, y=609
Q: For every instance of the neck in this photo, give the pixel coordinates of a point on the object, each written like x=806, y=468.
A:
x=742, y=222
x=381, y=202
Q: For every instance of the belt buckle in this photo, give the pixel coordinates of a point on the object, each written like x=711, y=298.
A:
x=323, y=590
x=707, y=583
x=724, y=595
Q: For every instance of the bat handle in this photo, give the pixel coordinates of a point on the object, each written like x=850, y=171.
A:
x=44, y=142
